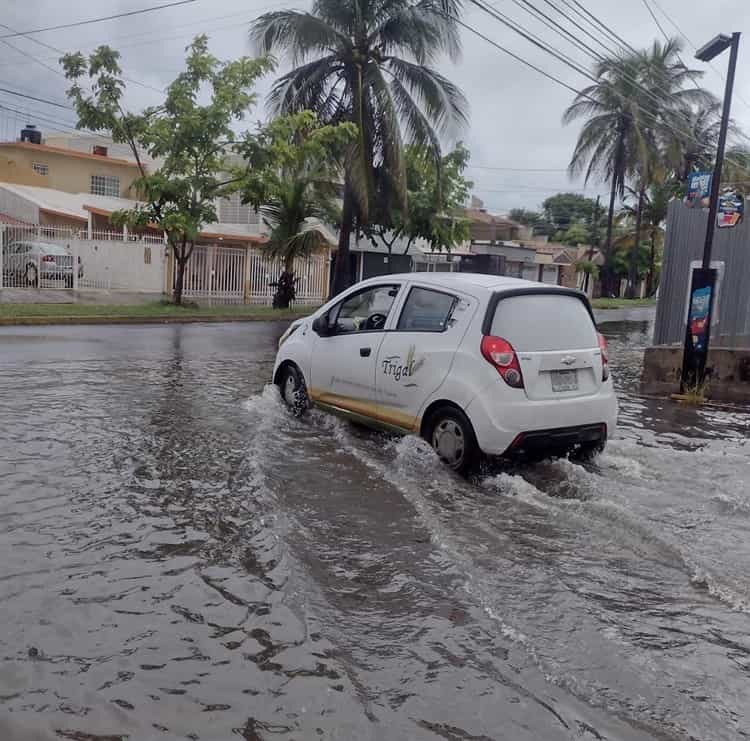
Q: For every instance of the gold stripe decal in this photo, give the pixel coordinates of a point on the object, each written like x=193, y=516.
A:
x=376, y=412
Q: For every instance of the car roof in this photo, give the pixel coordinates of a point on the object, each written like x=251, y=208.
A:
x=456, y=281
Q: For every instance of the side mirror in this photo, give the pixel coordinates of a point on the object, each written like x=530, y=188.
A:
x=321, y=327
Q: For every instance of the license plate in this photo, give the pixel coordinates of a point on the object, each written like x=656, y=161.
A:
x=565, y=380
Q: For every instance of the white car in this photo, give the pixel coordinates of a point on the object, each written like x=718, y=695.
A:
x=476, y=364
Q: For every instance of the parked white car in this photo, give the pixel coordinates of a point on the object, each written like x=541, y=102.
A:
x=476, y=364
x=25, y=263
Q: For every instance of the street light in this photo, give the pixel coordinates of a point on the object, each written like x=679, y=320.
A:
x=703, y=282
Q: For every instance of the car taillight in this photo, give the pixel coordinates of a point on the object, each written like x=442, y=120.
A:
x=48, y=258
x=605, y=356
x=500, y=353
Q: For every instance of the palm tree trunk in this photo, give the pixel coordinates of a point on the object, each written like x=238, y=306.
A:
x=633, y=277
x=651, y=265
x=606, y=267
x=342, y=272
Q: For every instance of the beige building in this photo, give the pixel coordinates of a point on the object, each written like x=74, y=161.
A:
x=68, y=170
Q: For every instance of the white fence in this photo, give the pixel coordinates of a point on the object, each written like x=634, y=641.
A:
x=239, y=275
x=38, y=257
x=50, y=257
x=215, y=273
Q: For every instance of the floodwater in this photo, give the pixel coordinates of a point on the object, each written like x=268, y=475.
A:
x=182, y=559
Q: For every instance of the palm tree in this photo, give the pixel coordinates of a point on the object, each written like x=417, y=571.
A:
x=693, y=145
x=628, y=110
x=651, y=213
x=368, y=62
x=296, y=214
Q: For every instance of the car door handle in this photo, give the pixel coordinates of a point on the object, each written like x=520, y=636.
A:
x=365, y=352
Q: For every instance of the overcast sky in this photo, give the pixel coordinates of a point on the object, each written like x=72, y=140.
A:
x=515, y=113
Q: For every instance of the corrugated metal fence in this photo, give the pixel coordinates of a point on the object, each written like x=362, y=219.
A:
x=685, y=235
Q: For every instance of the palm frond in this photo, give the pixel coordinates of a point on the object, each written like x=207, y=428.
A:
x=443, y=103
x=295, y=33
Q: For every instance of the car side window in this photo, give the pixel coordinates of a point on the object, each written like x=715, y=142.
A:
x=366, y=310
x=427, y=311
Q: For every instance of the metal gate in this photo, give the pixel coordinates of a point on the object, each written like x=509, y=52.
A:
x=214, y=273
x=312, y=274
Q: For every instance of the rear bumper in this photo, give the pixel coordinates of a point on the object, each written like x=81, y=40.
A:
x=509, y=422
x=560, y=440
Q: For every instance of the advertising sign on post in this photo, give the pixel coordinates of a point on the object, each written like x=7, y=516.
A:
x=699, y=189
x=730, y=210
x=698, y=330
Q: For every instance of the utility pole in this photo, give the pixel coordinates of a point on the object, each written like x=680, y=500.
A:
x=703, y=282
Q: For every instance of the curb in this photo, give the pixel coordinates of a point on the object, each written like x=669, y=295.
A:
x=34, y=321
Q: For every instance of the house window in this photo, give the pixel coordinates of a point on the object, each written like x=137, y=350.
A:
x=40, y=168
x=105, y=185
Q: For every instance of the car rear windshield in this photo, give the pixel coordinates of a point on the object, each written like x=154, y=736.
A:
x=546, y=321
x=51, y=249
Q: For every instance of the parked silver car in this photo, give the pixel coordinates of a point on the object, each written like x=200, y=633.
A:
x=25, y=263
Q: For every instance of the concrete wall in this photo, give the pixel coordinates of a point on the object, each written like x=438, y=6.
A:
x=728, y=368
x=67, y=172
x=685, y=235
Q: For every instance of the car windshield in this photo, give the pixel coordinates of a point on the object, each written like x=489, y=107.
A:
x=48, y=248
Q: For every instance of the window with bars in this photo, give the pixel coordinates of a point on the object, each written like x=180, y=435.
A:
x=105, y=185
x=233, y=211
x=40, y=168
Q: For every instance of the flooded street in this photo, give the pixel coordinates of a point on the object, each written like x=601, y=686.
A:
x=180, y=558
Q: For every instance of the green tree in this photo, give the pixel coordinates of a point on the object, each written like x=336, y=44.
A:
x=564, y=209
x=653, y=205
x=294, y=165
x=190, y=139
x=369, y=62
x=577, y=233
x=637, y=97
x=436, y=194
x=535, y=219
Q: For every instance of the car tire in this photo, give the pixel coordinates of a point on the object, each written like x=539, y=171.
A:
x=32, y=275
x=451, y=435
x=293, y=389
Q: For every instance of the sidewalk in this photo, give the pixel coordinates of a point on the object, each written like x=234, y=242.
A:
x=139, y=313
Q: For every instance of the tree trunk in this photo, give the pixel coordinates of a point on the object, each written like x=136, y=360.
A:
x=633, y=277
x=651, y=265
x=180, y=276
x=606, y=272
x=342, y=273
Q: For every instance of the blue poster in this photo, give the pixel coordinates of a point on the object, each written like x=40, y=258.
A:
x=700, y=303
x=699, y=189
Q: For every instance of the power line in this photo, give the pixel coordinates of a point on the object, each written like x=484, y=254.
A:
x=33, y=97
x=535, y=40
x=695, y=48
x=607, y=30
x=579, y=27
x=58, y=51
x=654, y=118
x=98, y=20
x=560, y=30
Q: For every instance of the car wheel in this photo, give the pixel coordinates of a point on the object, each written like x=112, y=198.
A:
x=32, y=275
x=451, y=435
x=293, y=390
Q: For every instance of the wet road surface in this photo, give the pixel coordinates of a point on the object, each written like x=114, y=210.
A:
x=181, y=559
